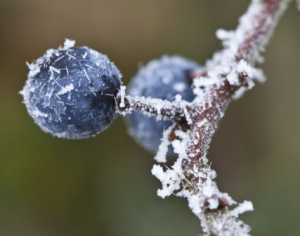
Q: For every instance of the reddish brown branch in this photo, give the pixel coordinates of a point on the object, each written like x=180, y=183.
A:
x=209, y=117
x=215, y=86
x=205, y=123
x=263, y=22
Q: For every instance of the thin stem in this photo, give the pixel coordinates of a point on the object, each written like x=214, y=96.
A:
x=179, y=111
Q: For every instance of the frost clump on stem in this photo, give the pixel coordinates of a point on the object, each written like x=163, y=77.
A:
x=205, y=197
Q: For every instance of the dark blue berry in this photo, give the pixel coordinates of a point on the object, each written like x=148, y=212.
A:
x=164, y=79
x=70, y=92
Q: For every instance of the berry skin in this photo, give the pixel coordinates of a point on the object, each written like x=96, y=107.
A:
x=164, y=79
x=70, y=91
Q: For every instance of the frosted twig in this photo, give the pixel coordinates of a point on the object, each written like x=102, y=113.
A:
x=228, y=71
x=162, y=109
x=251, y=36
x=161, y=155
x=229, y=74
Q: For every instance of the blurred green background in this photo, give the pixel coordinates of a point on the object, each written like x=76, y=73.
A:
x=103, y=185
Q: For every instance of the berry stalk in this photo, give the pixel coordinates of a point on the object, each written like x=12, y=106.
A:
x=181, y=112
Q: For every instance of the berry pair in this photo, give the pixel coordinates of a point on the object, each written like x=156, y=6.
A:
x=70, y=93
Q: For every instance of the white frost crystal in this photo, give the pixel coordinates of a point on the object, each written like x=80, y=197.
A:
x=69, y=44
x=122, y=95
x=161, y=155
x=169, y=179
x=66, y=89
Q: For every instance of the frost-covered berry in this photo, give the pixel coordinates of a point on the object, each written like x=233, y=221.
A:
x=70, y=92
x=164, y=79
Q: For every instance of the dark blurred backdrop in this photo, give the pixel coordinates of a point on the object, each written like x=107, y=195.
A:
x=103, y=185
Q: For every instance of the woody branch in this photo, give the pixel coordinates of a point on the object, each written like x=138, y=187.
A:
x=228, y=74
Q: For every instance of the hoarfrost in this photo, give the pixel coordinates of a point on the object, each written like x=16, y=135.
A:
x=38, y=113
x=162, y=109
x=225, y=60
x=259, y=75
x=68, y=44
x=178, y=98
x=122, y=95
x=233, y=78
x=84, y=55
x=86, y=75
x=242, y=208
x=187, y=116
x=66, y=89
x=161, y=155
x=52, y=70
x=239, y=93
x=34, y=68
x=169, y=179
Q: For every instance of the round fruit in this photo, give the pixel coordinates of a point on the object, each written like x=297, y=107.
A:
x=70, y=92
x=164, y=79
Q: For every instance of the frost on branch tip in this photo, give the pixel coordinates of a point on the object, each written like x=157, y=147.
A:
x=240, y=75
x=237, y=54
